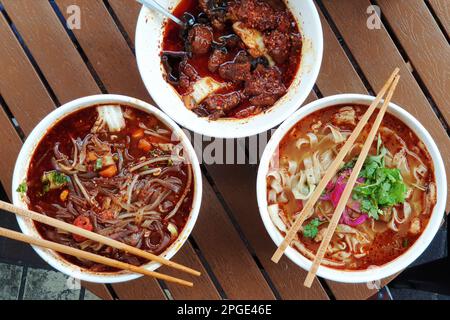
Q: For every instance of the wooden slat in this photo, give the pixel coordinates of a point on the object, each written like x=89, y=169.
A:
x=127, y=11
x=204, y=288
x=337, y=75
x=20, y=87
x=51, y=46
x=425, y=46
x=106, y=48
x=20, y=93
x=11, y=144
x=55, y=66
x=246, y=269
x=233, y=266
x=442, y=10
x=377, y=56
x=241, y=197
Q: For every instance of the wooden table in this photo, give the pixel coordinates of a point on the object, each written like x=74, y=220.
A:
x=43, y=65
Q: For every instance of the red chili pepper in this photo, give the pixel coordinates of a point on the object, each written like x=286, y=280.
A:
x=84, y=223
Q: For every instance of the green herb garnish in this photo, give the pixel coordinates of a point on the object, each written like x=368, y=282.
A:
x=312, y=228
x=22, y=188
x=52, y=180
x=405, y=243
x=349, y=165
x=98, y=164
x=383, y=187
x=170, y=162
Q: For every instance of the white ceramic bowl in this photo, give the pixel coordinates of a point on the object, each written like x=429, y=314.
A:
x=21, y=169
x=400, y=262
x=149, y=34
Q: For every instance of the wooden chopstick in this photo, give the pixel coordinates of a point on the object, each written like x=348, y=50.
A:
x=329, y=174
x=349, y=187
x=89, y=256
x=93, y=236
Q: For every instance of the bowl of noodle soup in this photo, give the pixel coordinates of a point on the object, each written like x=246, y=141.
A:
x=396, y=207
x=114, y=165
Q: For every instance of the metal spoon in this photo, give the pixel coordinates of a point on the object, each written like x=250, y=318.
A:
x=152, y=4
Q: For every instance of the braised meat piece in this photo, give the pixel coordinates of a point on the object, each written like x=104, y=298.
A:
x=200, y=39
x=278, y=44
x=224, y=102
x=264, y=86
x=254, y=14
x=284, y=23
x=231, y=41
x=236, y=70
x=188, y=75
x=247, y=112
x=216, y=11
x=218, y=57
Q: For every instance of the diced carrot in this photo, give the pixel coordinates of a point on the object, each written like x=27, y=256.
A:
x=63, y=195
x=91, y=156
x=138, y=133
x=109, y=172
x=84, y=223
x=144, y=145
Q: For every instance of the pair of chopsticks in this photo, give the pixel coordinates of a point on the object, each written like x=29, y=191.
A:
x=95, y=237
x=389, y=87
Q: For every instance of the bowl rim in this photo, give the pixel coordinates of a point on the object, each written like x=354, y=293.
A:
x=235, y=128
x=377, y=272
x=27, y=151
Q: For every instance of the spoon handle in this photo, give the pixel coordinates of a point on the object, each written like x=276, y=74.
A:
x=153, y=4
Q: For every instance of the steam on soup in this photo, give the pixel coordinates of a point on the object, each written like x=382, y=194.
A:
x=390, y=205
x=116, y=171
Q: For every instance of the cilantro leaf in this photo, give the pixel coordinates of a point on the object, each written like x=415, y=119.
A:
x=22, y=188
x=311, y=229
x=98, y=164
x=348, y=165
x=383, y=187
x=52, y=180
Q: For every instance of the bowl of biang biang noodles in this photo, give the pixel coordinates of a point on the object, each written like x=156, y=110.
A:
x=236, y=68
x=113, y=165
x=396, y=206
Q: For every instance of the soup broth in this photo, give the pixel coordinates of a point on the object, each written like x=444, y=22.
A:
x=131, y=185
x=390, y=205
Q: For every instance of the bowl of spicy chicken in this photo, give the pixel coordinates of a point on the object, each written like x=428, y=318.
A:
x=234, y=68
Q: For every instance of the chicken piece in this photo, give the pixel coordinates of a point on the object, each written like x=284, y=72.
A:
x=414, y=228
x=200, y=39
x=345, y=115
x=254, y=41
x=200, y=90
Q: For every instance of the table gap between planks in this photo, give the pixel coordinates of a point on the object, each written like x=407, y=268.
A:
x=44, y=65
